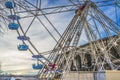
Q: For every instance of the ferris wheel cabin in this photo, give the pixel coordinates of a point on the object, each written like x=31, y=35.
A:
x=23, y=47
x=13, y=26
x=13, y=17
x=10, y=5
x=23, y=38
x=37, y=56
x=37, y=67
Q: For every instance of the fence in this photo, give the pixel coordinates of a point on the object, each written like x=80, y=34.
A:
x=85, y=75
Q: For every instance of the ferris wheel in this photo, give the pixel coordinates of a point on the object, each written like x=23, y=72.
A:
x=101, y=32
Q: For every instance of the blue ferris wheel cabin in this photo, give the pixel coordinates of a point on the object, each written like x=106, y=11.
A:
x=23, y=47
x=23, y=38
x=37, y=56
x=13, y=26
x=13, y=17
x=10, y=4
x=37, y=67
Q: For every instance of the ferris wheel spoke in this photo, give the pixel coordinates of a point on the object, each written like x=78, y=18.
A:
x=30, y=25
x=49, y=22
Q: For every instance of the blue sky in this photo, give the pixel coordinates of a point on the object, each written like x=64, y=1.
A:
x=12, y=59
